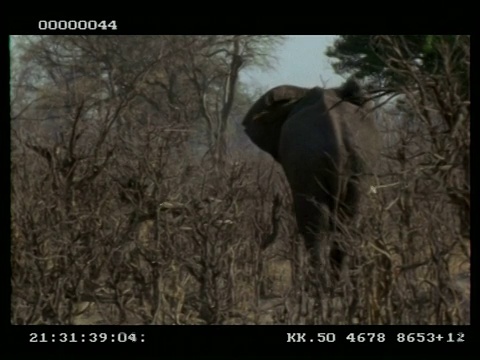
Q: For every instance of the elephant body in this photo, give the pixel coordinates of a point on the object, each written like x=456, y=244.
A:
x=327, y=143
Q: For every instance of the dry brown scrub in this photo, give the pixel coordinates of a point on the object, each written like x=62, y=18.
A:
x=132, y=230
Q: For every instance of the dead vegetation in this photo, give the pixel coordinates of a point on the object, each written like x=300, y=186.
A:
x=145, y=242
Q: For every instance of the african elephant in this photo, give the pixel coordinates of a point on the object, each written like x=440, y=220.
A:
x=327, y=143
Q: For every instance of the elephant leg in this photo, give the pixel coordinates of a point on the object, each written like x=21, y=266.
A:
x=347, y=208
x=337, y=260
x=312, y=220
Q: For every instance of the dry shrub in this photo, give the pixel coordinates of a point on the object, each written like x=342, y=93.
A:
x=159, y=237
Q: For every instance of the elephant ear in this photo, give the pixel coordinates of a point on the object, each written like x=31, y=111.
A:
x=264, y=120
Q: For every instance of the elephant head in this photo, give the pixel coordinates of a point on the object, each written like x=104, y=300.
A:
x=326, y=142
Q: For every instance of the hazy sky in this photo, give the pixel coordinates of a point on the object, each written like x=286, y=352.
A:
x=301, y=61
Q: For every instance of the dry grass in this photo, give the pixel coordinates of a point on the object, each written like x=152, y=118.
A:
x=150, y=242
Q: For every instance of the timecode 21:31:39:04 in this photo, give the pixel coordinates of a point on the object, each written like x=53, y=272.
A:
x=120, y=337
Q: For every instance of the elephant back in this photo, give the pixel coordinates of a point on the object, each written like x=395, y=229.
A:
x=351, y=108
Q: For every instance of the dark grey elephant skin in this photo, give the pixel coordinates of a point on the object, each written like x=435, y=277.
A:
x=327, y=144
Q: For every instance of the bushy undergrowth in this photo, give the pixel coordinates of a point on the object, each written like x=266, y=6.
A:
x=139, y=231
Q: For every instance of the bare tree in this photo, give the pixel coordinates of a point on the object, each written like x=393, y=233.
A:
x=439, y=100
x=213, y=65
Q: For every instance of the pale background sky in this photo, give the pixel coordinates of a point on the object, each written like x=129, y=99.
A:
x=301, y=61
